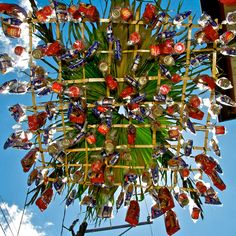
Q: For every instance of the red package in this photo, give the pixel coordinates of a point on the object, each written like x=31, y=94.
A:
x=43, y=201
x=132, y=216
x=37, y=120
x=171, y=222
x=29, y=159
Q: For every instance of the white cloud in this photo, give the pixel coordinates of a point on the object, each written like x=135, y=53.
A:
x=13, y=215
x=8, y=45
x=48, y=224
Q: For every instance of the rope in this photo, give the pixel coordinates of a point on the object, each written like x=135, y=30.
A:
x=23, y=212
x=148, y=217
x=8, y=214
x=4, y=215
x=63, y=220
x=3, y=229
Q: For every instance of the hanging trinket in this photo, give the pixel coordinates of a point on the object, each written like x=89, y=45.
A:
x=111, y=82
x=150, y=13
x=43, y=201
x=126, y=14
x=179, y=18
x=171, y=222
x=129, y=193
x=134, y=39
x=215, y=147
x=117, y=50
x=132, y=216
x=36, y=121
x=225, y=100
x=131, y=134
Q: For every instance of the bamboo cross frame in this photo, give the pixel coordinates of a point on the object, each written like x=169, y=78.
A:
x=158, y=78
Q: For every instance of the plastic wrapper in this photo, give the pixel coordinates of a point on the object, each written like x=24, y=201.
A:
x=158, y=20
x=228, y=51
x=88, y=11
x=171, y=222
x=150, y=13
x=166, y=34
x=92, y=49
x=136, y=63
x=36, y=121
x=198, y=60
x=11, y=27
x=227, y=37
x=13, y=10
x=154, y=169
x=225, y=100
x=224, y=83
x=156, y=211
x=126, y=14
x=59, y=185
x=5, y=63
x=166, y=200
x=134, y=39
x=205, y=82
x=120, y=200
x=29, y=159
x=165, y=72
x=131, y=134
x=215, y=147
x=230, y=18
x=45, y=14
x=18, y=112
x=117, y=50
x=188, y=146
x=105, y=212
x=132, y=216
x=19, y=140
x=71, y=197
x=111, y=82
x=43, y=201
x=32, y=177
x=179, y=18
x=129, y=193
x=89, y=201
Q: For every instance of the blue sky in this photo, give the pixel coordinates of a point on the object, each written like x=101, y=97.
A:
x=218, y=220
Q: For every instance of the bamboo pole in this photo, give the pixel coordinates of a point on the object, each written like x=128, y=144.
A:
x=33, y=97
